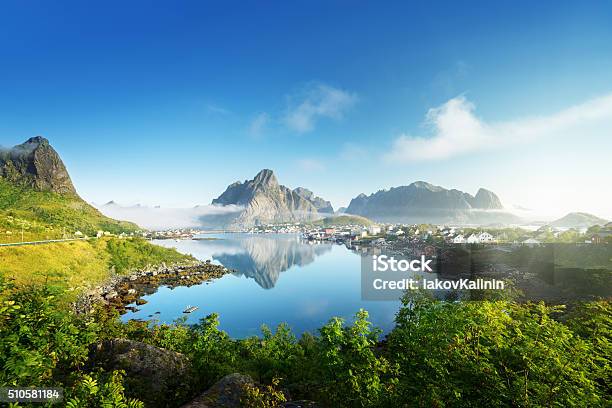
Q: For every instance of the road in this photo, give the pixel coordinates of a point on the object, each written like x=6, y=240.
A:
x=48, y=241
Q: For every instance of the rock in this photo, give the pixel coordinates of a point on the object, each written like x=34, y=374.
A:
x=300, y=404
x=154, y=375
x=224, y=393
x=110, y=295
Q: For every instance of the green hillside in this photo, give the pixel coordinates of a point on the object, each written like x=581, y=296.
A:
x=49, y=215
x=343, y=220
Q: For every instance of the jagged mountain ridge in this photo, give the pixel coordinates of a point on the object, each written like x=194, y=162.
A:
x=323, y=206
x=265, y=201
x=425, y=202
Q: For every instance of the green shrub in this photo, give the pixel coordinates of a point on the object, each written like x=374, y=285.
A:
x=490, y=354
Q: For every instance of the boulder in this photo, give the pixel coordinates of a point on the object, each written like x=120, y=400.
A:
x=224, y=393
x=154, y=375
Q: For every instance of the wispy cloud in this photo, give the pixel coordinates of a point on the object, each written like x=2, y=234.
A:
x=455, y=129
x=311, y=165
x=215, y=109
x=316, y=101
x=258, y=124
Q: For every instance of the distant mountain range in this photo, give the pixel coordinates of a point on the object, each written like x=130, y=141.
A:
x=34, y=180
x=265, y=201
x=421, y=202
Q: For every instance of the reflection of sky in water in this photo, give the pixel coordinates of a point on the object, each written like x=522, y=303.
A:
x=279, y=279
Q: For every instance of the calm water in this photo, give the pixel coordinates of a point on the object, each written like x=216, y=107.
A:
x=279, y=278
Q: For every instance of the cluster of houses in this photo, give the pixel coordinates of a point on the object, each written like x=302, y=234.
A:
x=341, y=233
x=177, y=233
x=381, y=233
x=480, y=238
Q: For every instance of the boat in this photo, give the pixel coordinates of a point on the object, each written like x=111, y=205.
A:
x=190, y=309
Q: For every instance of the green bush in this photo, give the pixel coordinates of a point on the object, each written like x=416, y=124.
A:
x=491, y=354
x=41, y=344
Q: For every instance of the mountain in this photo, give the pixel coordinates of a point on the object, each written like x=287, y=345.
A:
x=423, y=202
x=485, y=200
x=323, y=206
x=36, y=164
x=37, y=196
x=265, y=201
x=578, y=220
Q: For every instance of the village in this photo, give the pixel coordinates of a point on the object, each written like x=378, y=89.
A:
x=380, y=234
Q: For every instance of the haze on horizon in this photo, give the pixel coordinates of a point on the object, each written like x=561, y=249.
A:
x=164, y=104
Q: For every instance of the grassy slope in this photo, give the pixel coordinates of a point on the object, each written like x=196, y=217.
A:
x=46, y=215
x=76, y=265
x=68, y=265
x=342, y=220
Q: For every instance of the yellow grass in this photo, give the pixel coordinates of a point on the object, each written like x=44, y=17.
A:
x=69, y=265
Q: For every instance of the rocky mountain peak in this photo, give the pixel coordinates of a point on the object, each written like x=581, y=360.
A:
x=486, y=199
x=323, y=206
x=266, y=201
x=36, y=164
x=425, y=186
x=265, y=178
x=39, y=140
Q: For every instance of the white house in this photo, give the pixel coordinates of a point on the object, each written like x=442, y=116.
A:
x=485, y=237
x=473, y=239
x=374, y=229
x=459, y=239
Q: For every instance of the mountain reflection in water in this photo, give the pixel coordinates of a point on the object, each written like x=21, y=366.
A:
x=263, y=258
x=278, y=278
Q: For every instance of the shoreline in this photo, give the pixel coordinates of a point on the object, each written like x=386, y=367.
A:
x=119, y=291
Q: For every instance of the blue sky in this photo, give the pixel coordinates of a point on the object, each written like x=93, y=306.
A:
x=167, y=103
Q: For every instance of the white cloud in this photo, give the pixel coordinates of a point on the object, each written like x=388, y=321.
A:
x=258, y=124
x=310, y=165
x=456, y=130
x=317, y=101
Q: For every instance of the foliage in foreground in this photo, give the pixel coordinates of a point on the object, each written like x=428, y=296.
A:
x=488, y=353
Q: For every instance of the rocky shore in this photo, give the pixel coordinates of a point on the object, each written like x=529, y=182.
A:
x=120, y=291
